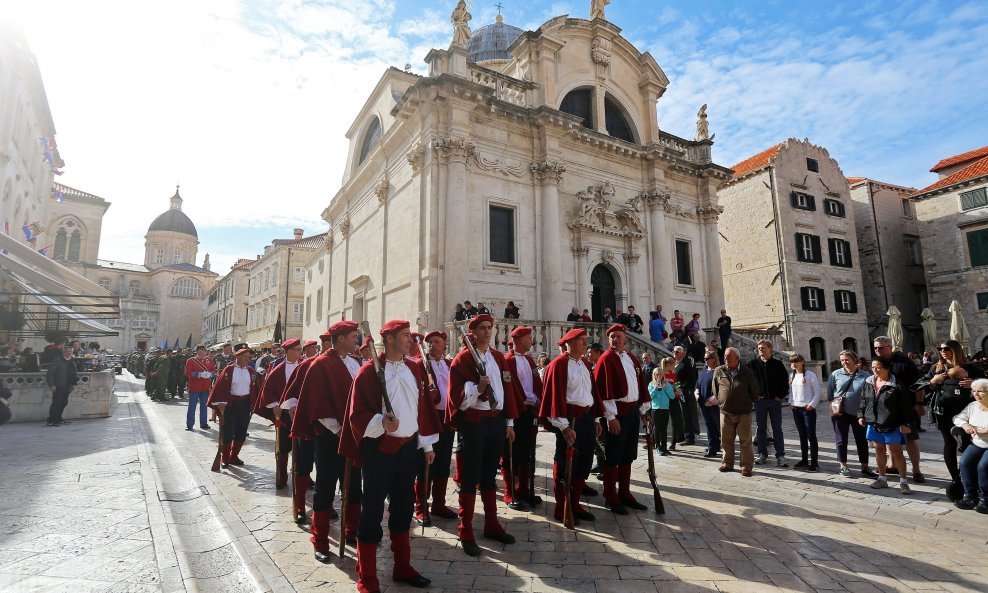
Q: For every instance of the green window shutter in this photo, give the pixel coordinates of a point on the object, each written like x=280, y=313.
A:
x=974, y=199
x=977, y=246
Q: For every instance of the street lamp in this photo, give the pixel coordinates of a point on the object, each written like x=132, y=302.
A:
x=791, y=327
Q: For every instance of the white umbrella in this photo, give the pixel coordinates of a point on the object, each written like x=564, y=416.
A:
x=894, y=330
x=929, y=324
x=958, y=329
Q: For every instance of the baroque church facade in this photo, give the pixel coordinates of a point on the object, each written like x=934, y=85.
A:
x=527, y=166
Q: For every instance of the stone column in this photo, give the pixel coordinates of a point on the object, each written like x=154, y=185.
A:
x=631, y=264
x=453, y=153
x=549, y=174
x=714, y=277
x=580, y=253
x=658, y=243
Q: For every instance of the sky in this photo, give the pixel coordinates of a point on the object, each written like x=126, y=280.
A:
x=246, y=103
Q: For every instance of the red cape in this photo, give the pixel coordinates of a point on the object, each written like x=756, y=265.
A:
x=554, y=389
x=295, y=384
x=274, y=386
x=464, y=369
x=322, y=394
x=366, y=401
x=512, y=364
x=611, y=381
x=220, y=393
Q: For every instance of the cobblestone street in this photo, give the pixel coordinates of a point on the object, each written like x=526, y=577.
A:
x=128, y=504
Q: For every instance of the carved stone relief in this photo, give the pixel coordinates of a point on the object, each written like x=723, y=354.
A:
x=547, y=171
x=600, y=53
x=382, y=188
x=498, y=166
x=595, y=212
x=453, y=149
x=415, y=157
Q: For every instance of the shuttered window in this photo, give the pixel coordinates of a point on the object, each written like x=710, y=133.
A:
x=977, y=247
x=834, y=208
x=812, y=298
x=840, y=253
x=808, y=248
x=845, y=301
x=974, y=199
x=803, y=201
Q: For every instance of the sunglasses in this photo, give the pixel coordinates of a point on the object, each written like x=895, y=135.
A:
x=944, y=348
x=882, y=347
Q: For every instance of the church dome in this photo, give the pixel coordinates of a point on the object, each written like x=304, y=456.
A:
x=174, y=220
x=492, y=41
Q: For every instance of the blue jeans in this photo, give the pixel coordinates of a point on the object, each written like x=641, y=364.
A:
x=806, y=427
x=196, y=397
x=974, y=472
x=711, y=417
x=769, y=409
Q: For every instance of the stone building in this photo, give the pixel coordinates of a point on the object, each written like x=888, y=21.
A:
x=890, y=255
x=527, y=166
x=953, y=217
x=226, y=307
x=276, y=287
x=789, y=251
x=161, y=300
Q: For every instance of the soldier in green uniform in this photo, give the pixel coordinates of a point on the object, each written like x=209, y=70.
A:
x=148, y=367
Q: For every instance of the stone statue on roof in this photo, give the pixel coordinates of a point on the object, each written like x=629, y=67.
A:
x=597, y=9
x=702, y=128
x=461, y=28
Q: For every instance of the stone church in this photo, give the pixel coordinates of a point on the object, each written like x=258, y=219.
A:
x=527, y=166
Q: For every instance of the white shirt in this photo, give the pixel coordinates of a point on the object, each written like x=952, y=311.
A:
x=472, y=395
x=976, y=417
x=579, y=389
x=805, y=394
x=441, y=371
x=240, y=382
x=352, y=366
x=526, y=379
x=631, y=376
x=289, y=369
x=403, y=391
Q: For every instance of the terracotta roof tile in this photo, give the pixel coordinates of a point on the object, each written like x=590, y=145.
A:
x=977, y=169
x=756, y=162
x=855, y=180
x=961, y=158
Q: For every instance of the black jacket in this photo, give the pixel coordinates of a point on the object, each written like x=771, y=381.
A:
x=891, y=408
x=62, y=374
x=686, y=373
x=773, y=380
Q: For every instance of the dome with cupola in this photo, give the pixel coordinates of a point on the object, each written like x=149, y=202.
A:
x=173, y=219
x=491, y=42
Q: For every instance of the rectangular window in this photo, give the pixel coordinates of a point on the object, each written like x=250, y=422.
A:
x=812, y=165
x=296, y=312
x=177, y=259
x=913, y=255
x=803, y=201
x=982, y=301
x=845, y=301
x=502, y=235
x=684, y=263
x=159, y=256
x=834, y=208
x=808, y=248
x=907, y=209
x=319, y=305
x=299, y=274
x=104, y=283
x=977, y=247
x=812, y=298
x=840, y=253
x=308, y=309
x=976, y=198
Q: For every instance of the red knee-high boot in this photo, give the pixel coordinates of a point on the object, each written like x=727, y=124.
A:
x=456, y=468
x=302, y=482
x=509, y=496
x=439, y=508
x=367, y=568
x=491, y=524
x=235, y=453
x=624, y=492
x=421, y=503
x=320, y=533
x=352, y=522
x=225, y=453
x=521, y=483
x=610, y=485
x=465, y=529
x=403, y=570
x=557, y=490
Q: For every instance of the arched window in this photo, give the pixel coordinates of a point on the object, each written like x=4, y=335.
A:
x=818, y=349
x=371, y=137
x=579, y=103
x=75, y=246
x=617, y=125
x=274, y=275
x=61, y=241
x=68, y=241
x=187, y=287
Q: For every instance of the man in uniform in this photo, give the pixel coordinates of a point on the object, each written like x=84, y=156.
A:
x=233, y=393
x=310, y=349
x=386, y=444
x=439, y=472
x=150, y=360
x=528, y=386
x=485, y=418
x=624, y=394
x=163, y=374
x=200, y=372
x=570, y=404
x=266, y=405
x=224, y=358
x=320, y=415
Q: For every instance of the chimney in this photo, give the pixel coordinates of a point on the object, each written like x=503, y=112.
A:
x=298, y=234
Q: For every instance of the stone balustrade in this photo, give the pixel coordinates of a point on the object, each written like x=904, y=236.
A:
x=93, y=397
x=506, y=89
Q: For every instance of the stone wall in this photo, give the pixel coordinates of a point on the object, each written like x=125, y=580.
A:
x=93, y=397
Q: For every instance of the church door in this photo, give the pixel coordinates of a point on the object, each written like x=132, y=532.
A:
x=602, y=297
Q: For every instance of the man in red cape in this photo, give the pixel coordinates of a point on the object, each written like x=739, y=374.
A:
x=266, y=406
x=528, y=388
x=570, y=405
x=484, y=419
x=439, y=472
x=320, y=416
x=623, y=391
x=233, y=394
x=387, y=447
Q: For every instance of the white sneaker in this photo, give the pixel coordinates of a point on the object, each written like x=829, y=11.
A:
x=880, y=483
x=904, y=488
x=761, y=460
x=781, y=461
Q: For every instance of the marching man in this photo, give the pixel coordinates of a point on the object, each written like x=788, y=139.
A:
x=387, y=447
x=528, y=386
x=233, y=393
x=320, y=415
x=485, y=418
x=624, y=394
x=570, y=404
x=439, y=470
x=266, y=406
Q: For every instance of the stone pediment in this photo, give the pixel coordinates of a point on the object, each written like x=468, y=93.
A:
x=595, y=212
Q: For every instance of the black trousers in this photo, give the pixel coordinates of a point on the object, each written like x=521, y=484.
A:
x=521, y=448
x=585, y=435
x=305, y=456
x=283, y=432
x=444, y=456
x=329, y=471
x=59, y=399
x=483, y=444
x=236, y=419
x=622, y=448
x=391, y=477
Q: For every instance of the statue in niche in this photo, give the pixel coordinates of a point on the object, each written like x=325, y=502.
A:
x=461, y=28
x=702, y=128
x=597, y=9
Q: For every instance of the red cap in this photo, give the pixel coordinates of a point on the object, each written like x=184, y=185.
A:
x=289, y=344
x=394, y=326
x=478, y=320
x=242, y=351
x=417, y=336
x=520, y=332
x=341, y=328
x=571, y=335
x=617, y=327
x=310, y=343
x=436, y=333
x=325, y=336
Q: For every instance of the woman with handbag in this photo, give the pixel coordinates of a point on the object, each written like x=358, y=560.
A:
x=804, y=397
x=886, y=410
x=951, y=393
x=844, y=389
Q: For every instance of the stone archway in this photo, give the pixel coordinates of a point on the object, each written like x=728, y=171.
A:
x=604, y=294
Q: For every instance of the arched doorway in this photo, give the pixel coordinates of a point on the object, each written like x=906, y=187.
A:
x=602, y=281
x=851, y=344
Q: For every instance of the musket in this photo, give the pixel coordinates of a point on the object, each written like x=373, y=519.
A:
x=427, y=367
x=344, y=503
x=378, y=369
x=660, y=508
x=568, y=521
x=219, y=445
x=531, y=465
x=481, y=365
